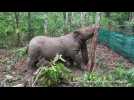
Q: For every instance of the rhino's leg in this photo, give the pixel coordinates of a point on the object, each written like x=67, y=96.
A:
x=32, y=62
x=33, y=59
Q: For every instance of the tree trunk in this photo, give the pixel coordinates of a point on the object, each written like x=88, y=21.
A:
x=46, y=24
x=70, y=20
x=86, y=20
x=82, y=18
x=131, y=16
x=17, y=28
x=65, y=15
x=73, y=22
x=107, y=14
x=30, y=30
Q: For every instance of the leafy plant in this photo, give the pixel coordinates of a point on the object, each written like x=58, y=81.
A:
x=130, y=76
x=21, y=52
x=93, y=80
x=54, y=75
x=118, y=77
x=119, y=72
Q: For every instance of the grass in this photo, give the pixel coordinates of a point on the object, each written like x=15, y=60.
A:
x=119, y=77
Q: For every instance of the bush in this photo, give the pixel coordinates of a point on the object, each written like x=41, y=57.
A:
x=21, y=52
x=118, y=77
x=130, y=76
x=54, y=75
x=120, y=72
x=94, y=80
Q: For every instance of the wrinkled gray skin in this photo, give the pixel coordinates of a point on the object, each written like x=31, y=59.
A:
x=68, y=45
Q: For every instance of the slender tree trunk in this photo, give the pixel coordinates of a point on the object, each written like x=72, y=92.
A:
x=107, y=14
x=65, y=15
x=86, y=20
x=17, y=28
x=70, y=20
x=82, y=17
x=131, y=19
x=30, y=30
x=73, y=18
x=131, y=16
x=46, y=24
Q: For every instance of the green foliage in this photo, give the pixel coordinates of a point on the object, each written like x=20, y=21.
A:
x=8, y=36
x=130, y=76
x=118, y=77
x=20, y=52
x=104, y=21
x=93, y=80
x=55, y=26
x=57, y=74
x=119, y=72
x=119, y=17
x=91, y=76
x=53, y=75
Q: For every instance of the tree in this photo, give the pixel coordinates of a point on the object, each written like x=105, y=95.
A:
x=81, y=19
x=69, y=19
x=46, y=24
x=131, y=16
x=72, y=19
x=107, y=14
x=30, y=30
x=65, y=15
x=17, y=28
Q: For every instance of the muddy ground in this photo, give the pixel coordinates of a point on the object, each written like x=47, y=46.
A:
x=13, y=71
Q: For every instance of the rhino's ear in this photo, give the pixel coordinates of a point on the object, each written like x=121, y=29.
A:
x=76, y=34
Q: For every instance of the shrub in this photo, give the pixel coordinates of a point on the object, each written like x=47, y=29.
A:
x=21, y=52
x=54, y=75
x=94, y=80
x=119, y=72
x=130, y=76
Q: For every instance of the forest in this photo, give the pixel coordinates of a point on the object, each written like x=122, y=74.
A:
x=69, y=39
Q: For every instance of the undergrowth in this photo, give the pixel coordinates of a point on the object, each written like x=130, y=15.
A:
x=57, y=74
x=119, y=77
x=54, y=75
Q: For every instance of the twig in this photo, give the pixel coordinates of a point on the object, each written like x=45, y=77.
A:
x=38, y=74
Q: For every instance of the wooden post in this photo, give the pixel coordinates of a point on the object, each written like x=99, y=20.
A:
x=94, y=42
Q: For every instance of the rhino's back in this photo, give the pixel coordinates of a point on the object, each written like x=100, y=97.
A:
x=47, y=46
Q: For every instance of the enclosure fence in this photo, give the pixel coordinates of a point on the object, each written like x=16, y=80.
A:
x=119, y=41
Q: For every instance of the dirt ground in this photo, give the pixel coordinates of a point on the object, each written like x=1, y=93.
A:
x=12, y=72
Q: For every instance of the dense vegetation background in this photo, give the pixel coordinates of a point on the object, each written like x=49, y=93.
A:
x=16, y=28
